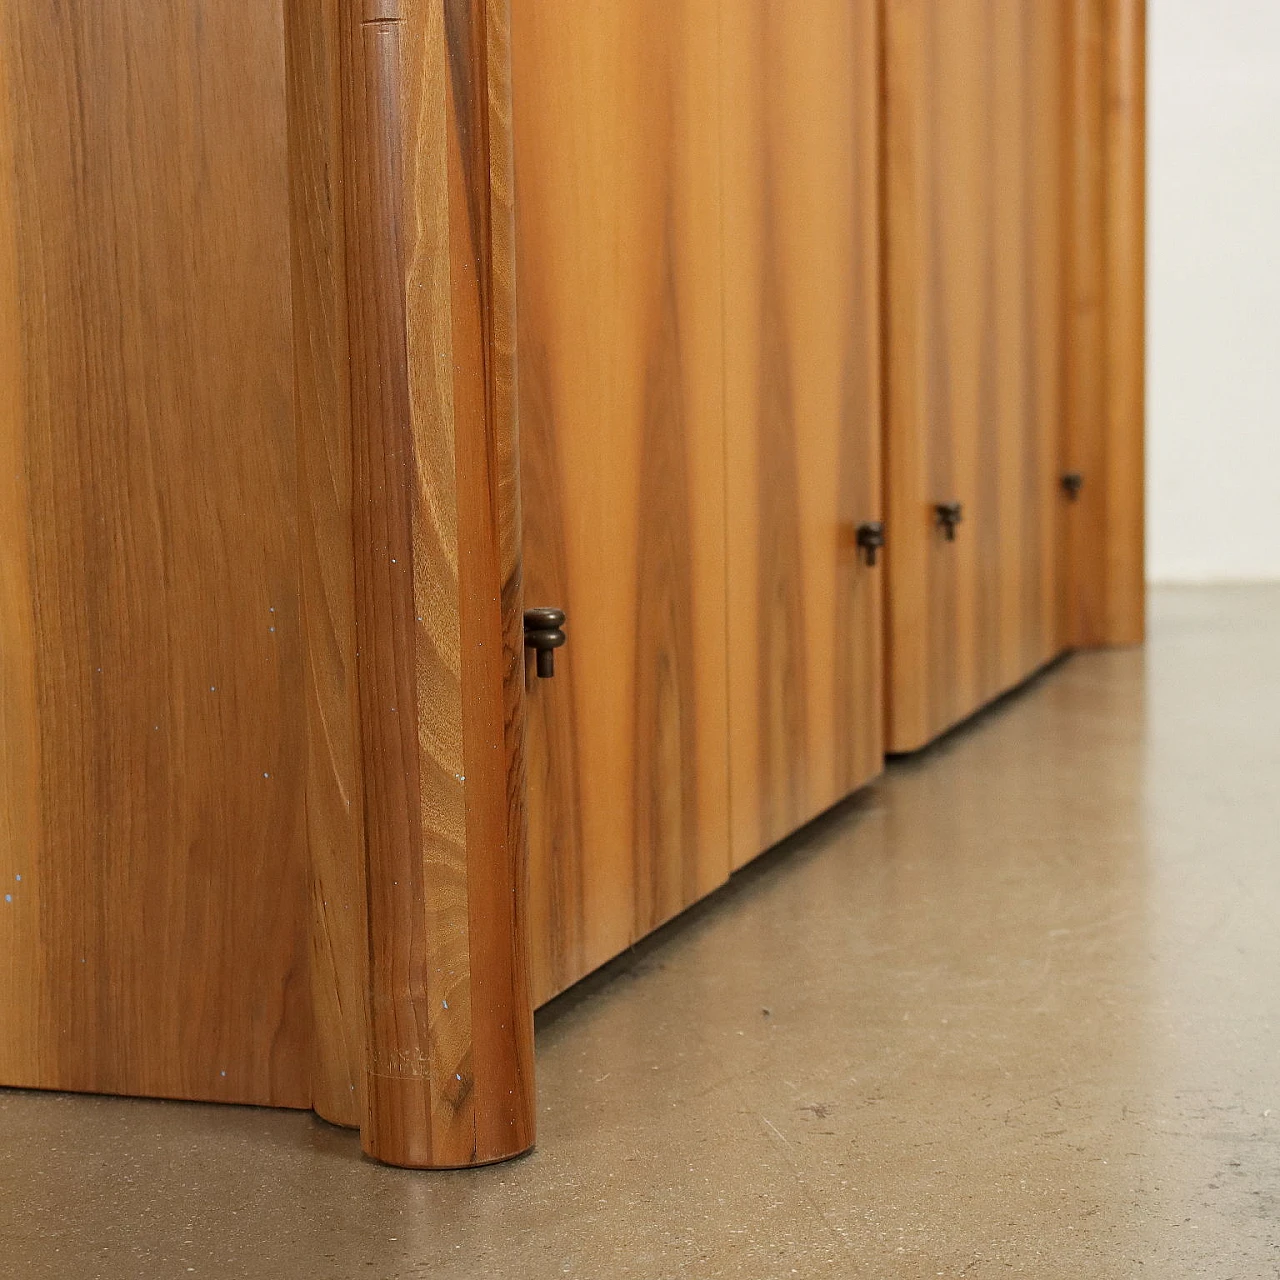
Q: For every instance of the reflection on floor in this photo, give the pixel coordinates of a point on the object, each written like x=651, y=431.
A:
x=1013, y=1011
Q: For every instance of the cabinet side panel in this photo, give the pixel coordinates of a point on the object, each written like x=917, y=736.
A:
x=154, y=809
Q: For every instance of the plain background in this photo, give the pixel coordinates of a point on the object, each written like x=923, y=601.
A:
x=1213, y=485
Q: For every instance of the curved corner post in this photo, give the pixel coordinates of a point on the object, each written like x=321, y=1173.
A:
x=418, y=187
x=1106, y=321
x=322, y=391
x=1125, y=317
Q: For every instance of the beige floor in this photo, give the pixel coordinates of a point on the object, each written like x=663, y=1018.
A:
x=1013, y=1011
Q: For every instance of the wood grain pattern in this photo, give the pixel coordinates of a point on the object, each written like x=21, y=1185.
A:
x=1125, y=85
x=152, y=848
x=168, y=933
x=1105, y=592
x=800, y=130
x=335, y=785
x=1084, y=439
x=974, y=136
x=425, y=206
x=622, y=448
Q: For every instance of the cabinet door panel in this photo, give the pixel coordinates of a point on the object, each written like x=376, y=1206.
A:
x=974, y=236
x=802, y=405
x=622, y=454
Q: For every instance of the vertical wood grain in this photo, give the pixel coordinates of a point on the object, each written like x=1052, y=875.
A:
x=153, y=857
x=335, y=785
x=1104, y=596
x=1084, y=437
x=25, y=1048
x=1038, y=575
x=405, y=844
x=799, y=131
x=973, y=151
x=491, y=574
x=1125, y=87
x=622, y=448
x=424, y=228
x=904, y=202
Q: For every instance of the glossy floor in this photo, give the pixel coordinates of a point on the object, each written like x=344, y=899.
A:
x=1013, y=1011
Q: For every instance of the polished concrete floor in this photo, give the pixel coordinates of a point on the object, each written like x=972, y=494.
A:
x=1015, y=1010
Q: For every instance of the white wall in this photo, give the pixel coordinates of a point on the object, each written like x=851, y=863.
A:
x=1214, y=302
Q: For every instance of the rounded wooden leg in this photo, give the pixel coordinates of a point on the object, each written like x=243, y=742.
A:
x=421, y=225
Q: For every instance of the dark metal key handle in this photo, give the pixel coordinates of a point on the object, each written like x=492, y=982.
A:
x=544, y=635
x=949, y=514
x=871, y=541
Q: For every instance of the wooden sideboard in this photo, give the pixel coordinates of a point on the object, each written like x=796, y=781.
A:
x=333, y=333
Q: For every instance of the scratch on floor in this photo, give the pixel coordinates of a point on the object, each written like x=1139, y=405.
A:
x=775, y=1128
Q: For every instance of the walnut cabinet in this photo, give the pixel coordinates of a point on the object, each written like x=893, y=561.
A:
x=793, y=351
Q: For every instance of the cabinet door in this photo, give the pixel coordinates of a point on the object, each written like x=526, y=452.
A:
x=802, y=404
x=975, y=132
x=622, y=454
